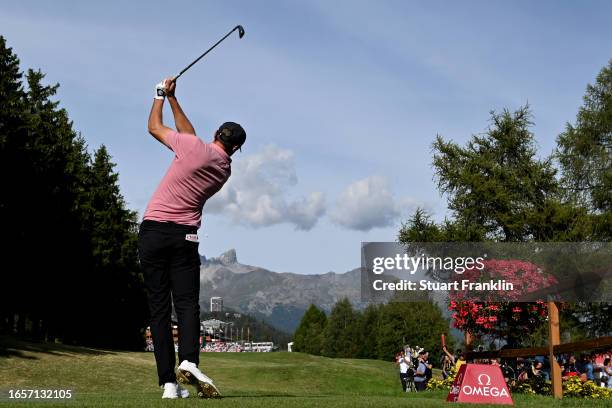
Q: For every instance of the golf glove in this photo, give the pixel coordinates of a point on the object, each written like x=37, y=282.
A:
x=160, y=90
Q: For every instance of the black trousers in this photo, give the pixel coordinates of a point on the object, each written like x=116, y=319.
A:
x=404, y=380
x=171, y=269
x=421, y=385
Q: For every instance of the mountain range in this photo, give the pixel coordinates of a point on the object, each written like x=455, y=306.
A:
x=278, y=298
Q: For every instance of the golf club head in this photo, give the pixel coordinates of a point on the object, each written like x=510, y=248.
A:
x=240, y=31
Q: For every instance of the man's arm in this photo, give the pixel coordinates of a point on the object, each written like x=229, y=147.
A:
x=156, y=125
x=450, y=356
x=183, y=125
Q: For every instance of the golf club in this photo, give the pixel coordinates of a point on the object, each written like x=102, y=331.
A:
x=240, y=34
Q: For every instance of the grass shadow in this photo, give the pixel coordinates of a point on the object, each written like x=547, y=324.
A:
x=12, y=347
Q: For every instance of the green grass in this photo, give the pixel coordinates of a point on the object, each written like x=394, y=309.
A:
x=127, y=379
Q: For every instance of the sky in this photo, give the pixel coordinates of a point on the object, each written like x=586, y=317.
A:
x=341, y=101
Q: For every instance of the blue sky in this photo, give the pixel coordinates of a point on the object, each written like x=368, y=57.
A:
x=340, y=99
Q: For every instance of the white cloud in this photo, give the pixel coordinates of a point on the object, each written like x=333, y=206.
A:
x=256, y=193
x=368, y=204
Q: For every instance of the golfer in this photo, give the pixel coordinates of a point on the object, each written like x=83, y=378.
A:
x=168, y=240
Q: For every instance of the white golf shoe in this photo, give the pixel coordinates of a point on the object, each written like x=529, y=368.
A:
x=173, y=391
x=189, y=373
x=182, y=392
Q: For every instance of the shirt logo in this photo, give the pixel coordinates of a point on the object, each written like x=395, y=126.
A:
x=191, y=237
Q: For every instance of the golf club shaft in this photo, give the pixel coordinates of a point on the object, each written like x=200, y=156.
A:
x=202, y=56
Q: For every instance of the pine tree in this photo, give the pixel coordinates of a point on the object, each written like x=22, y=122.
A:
x=341, y=333
x=113, y=241
x=584, y=153
x=496, y=184
x=65, y=225
x=308, y=337
x=412, y=323
x=13, y=133
x=50, y=192
x=368, y=331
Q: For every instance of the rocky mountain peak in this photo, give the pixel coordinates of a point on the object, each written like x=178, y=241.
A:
x=228, y=257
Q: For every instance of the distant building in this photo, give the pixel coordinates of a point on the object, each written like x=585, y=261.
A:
x=216, y=304
x=213, y=324
x=216, y=330
x=260, y=347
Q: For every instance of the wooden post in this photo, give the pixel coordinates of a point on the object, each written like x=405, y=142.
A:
x=554, y=339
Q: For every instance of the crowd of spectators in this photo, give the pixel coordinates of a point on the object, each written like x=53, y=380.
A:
x=211, y=347
x=416, y=369
x=222, y=347
x=596, y=367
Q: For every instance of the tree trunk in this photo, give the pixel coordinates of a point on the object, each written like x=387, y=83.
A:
x=469, y=341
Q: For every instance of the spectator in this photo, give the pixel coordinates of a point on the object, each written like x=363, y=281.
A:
x=428, y=368
x=448, y=360
x=460, y=360
x=536, y=370
x=587, y=367
x=522, y=369
x=508, y=371
x=569, y=369
x=404, y=364
x=420, y=376
x=608, y=371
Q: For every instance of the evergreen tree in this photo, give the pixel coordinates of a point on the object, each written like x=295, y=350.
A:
x=43, y=200
x=495, y=184
x=113, y=240
x=13, y=132
x=308, y=337
x=413, y=323
x=316, y=336
x=497, y=189
x=368, y=332
x=379, y=332
x=341, y=333
x=65, y=225
x=584, y=152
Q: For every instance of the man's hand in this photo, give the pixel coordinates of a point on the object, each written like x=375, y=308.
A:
x=165, y=88
x=160, y=90
x=170, y=87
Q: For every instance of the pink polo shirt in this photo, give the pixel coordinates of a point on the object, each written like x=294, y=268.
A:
x=197, y=172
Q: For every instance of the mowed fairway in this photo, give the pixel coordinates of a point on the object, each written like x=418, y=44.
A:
x=128, y=379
